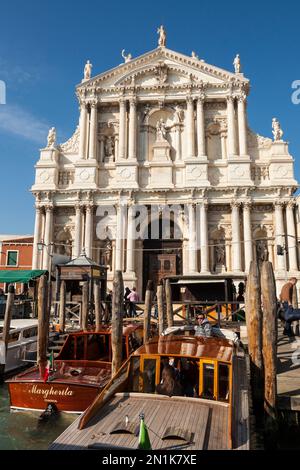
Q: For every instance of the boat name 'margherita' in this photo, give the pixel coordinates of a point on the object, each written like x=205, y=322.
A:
x=50, y=391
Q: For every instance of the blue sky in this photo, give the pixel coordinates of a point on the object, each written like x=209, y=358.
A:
x=45, y=44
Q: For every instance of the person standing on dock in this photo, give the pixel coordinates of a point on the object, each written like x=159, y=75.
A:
x=133, y=297
x=286, y=298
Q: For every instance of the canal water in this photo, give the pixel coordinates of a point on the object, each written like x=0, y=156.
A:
x=22, y=430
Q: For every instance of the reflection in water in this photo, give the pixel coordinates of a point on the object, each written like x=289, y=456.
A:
x=22, y=429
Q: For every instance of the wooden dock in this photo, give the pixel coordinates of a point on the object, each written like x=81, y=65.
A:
x=288, y=372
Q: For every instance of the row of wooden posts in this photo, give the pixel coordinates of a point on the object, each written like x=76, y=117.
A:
x=261, y=318
x=164, y=307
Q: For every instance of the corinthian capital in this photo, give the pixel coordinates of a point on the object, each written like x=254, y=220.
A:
x=235, y=204
x=230, y=98
x=247, y=205
x=279, y=204
x=189, y=100
x=242, y=97
x=291, y=203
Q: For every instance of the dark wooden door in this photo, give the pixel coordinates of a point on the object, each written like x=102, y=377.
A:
x=161, y=266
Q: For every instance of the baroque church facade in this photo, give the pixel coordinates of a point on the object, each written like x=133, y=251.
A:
x=158, y=132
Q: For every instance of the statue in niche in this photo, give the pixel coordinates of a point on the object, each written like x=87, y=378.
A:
x=276, y=130
x=87, y=70
x=109, y=146
x=162, y=36
x=161, y=132
x=262, y=251
x=51, y=139
x=127, y=58
x=220, y=254
x=146, y=111
x=237, y=64
x=106, y=257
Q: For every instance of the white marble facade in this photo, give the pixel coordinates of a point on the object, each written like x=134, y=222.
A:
x=164, y=129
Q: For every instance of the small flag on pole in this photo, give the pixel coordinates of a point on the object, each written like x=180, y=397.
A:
x=47, y=371
x=144, y=441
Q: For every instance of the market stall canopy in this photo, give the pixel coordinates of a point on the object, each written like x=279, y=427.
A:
x=20, y=276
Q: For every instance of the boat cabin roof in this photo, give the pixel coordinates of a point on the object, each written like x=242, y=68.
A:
x=106, y=330
x=192, y=346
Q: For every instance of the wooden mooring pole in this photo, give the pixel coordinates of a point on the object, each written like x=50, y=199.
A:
x=254, y=331
x=43, y=324
x=147, y=311
x=168, y=291
x=160, y=308
x=269, y=305
x=62, y=306
x=97, y=302
x=117, y=321
x=6, y=326
x=85, y=307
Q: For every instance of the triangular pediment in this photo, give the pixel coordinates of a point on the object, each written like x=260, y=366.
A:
x=163, y=66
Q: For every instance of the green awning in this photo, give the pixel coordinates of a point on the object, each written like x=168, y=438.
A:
x=20, y=276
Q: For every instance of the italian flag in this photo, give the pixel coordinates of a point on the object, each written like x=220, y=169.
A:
x=49, y=367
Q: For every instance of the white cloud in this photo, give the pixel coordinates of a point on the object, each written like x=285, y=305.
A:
x=15, y=120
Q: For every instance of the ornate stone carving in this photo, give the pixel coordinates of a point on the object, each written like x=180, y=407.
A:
x=161, y=131
x=109, y=146
x=66, y=177
x=161, y=73
x=71, y=145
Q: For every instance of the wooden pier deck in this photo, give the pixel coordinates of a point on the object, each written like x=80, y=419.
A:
x=288, y=372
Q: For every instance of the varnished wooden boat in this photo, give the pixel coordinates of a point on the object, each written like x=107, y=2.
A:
x=214, y=416
x=81, y=370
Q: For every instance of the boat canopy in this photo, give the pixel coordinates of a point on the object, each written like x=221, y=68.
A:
x=20, y=276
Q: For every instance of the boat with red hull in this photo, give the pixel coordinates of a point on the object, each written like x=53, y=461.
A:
x=80, y=371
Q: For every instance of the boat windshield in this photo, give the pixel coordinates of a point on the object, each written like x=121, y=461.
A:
x=180, y=376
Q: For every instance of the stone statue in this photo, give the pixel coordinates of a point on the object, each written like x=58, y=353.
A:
x=220, y=255
x=109, y=146
x=51, y=139
x=161, y=132
x=127, y=58
x=162, y=36
x=262, y=251
x=87, y=70
x=277, y=131
x=179, y=112
x=237, y=64
x=194, y=55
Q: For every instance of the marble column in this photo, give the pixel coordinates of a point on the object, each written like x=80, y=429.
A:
x=204, y=239
x=89, y=227
x=178, y=142
x=242, y=124
x=122, y=129
x=201, y=126
x=291, y=235
x=37, y=238
x=83, y=131
x=236, y=237
x=279, y=235
x=192, y=240
x=93, y=131
x=132, y=129
x=78, y=230
x=248, y=247
x=231, y=136
x=102, y=155
x=48, y=236
x=130, y=240
x=190, y=128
